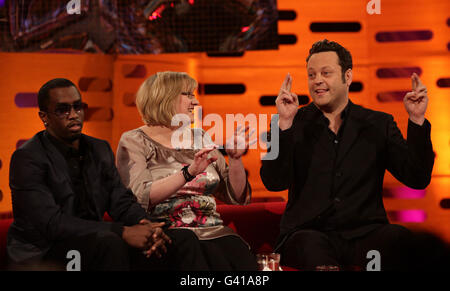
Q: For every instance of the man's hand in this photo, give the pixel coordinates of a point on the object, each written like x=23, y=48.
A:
x=416, y=101
x=153, y=224
x=159, y=239
x=147, y=236
x=287, y=104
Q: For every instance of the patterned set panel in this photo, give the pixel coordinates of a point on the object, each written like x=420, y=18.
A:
x=134, y=71
x=402, y=72
x=26, y=99
x=398, y=48
x=400, y=36
x=407, y=216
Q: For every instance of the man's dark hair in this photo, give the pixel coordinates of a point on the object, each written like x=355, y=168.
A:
x=43, y=95
x=345, y=58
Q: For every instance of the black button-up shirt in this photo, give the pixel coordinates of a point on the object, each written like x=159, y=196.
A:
x=329, y=220
x=85, y=207
x=336, y=138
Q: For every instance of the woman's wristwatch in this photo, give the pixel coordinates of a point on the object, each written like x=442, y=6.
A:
x=187, y=176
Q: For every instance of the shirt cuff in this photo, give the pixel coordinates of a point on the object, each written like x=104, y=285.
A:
x=425, y=124
x=414, y=128
x=117, y=228
x=419, y=135
x=286, y=135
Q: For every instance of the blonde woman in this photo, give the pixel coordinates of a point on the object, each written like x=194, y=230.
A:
x=178, y=185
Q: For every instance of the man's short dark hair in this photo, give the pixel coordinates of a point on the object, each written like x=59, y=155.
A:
x=345, y=58
x=43, y=95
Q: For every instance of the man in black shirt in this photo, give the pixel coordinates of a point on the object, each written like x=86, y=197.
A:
x=84, y=204
x=333, y=156
x=62, y=183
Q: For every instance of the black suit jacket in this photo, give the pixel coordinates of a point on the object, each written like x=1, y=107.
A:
x=346, y=185
x=43, y=197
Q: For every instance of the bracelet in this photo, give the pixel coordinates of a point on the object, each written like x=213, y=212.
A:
x=187, y=176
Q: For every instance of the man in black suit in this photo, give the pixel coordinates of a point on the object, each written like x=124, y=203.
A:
x=62, y=183
x=332, y=157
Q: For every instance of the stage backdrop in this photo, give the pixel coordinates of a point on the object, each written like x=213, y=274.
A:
x=407, y=36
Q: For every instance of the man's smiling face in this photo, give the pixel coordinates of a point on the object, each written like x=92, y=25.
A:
x=325, y=82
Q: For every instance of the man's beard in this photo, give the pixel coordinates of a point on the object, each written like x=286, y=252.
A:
x=73, y=137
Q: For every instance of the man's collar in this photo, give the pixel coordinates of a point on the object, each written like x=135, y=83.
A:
x=317, y=114
x=346, y=110
x=64, y=148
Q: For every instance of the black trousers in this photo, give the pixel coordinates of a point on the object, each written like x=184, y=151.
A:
x=228, y=253
x=106, y=251
x=307, y=249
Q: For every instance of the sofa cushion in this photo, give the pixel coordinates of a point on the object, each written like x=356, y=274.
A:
x=257, y=223
x=4, y=226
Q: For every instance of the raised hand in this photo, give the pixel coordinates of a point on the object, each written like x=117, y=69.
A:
x=240, y=142
x=287, y=103
x=416, y=101
x=201, y=161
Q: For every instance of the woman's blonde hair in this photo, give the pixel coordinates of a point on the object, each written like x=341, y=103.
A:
x=155, y=99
